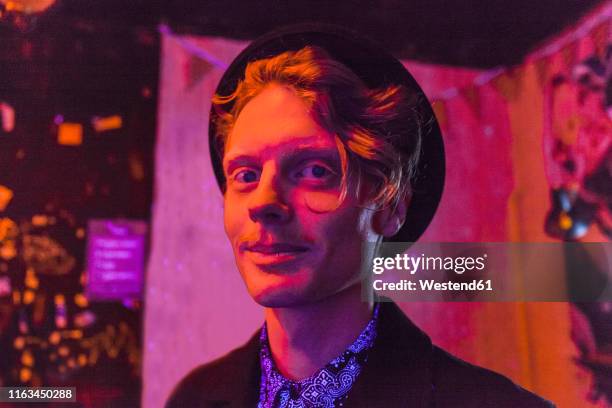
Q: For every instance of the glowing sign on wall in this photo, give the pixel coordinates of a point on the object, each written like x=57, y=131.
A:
x=115, y=259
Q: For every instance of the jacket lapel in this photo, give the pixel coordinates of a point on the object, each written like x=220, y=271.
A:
x=398, y=371
x=243, y=373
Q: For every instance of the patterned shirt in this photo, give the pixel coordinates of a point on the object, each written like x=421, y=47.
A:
x=327, y=388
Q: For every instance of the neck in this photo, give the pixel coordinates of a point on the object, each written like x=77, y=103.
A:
x=305, y=338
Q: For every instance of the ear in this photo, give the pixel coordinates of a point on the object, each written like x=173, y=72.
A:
x=388, y=220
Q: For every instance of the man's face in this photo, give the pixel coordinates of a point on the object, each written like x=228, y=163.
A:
x=293, y=240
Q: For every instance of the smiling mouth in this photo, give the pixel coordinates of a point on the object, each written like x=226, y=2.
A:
x=274, y=254
x=276, y=248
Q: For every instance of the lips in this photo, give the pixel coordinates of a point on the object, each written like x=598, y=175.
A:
x=275, y=248
x=273, y=254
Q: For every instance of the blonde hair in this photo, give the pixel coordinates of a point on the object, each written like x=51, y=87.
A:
x=378, y=131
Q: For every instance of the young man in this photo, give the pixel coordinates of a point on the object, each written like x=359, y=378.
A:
x=322, y=143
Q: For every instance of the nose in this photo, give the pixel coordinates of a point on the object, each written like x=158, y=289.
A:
x=267, y=204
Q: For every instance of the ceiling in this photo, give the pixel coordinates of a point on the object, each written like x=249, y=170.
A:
x=471, y=33
x=468, y=33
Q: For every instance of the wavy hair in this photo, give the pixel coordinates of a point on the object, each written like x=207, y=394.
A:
x=378, y=131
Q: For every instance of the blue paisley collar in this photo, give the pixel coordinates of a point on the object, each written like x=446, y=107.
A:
x=327, y=388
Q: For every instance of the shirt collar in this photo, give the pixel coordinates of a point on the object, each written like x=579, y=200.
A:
x=328, y=387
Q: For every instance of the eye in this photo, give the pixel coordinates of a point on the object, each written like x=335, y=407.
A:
x=314, y=172
x=246, y=176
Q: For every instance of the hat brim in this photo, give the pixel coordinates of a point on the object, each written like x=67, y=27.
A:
x=376, y=68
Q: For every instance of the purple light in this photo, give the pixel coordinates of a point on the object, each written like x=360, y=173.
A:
x=115, y=259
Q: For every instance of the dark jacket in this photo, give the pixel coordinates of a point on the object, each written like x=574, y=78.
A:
x=403, y=370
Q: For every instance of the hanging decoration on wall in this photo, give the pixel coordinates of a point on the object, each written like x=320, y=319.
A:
x=577, y=144
x=595, y=74
x=115, y=259
x=59, y=332
x=27, y=6
x=5, y=286
x=103, y=124
x=578, y=149
x=6, y=194
x=195, y=69
x=7, y=117
x=22, y=14
x=70, y=134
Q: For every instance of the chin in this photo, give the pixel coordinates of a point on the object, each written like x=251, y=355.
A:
x=277, y=300
x=279, y=297
x=279, y=290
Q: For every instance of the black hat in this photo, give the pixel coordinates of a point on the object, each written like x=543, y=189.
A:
x=376, y=68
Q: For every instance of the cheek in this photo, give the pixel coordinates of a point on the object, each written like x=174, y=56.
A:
x=231, y=216
x=326, y=217
x=321, y=201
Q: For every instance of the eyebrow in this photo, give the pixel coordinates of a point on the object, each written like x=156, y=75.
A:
x=329, y=153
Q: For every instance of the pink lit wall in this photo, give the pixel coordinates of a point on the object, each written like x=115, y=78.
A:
x=196, y=304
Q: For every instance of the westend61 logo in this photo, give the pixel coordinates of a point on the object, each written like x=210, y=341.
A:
x=413, y=264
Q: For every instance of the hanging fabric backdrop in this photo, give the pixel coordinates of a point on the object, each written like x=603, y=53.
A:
x=497, y=189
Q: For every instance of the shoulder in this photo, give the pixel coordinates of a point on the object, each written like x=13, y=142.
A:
x=406, y=358
x=459, y=383
x=227, y=378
